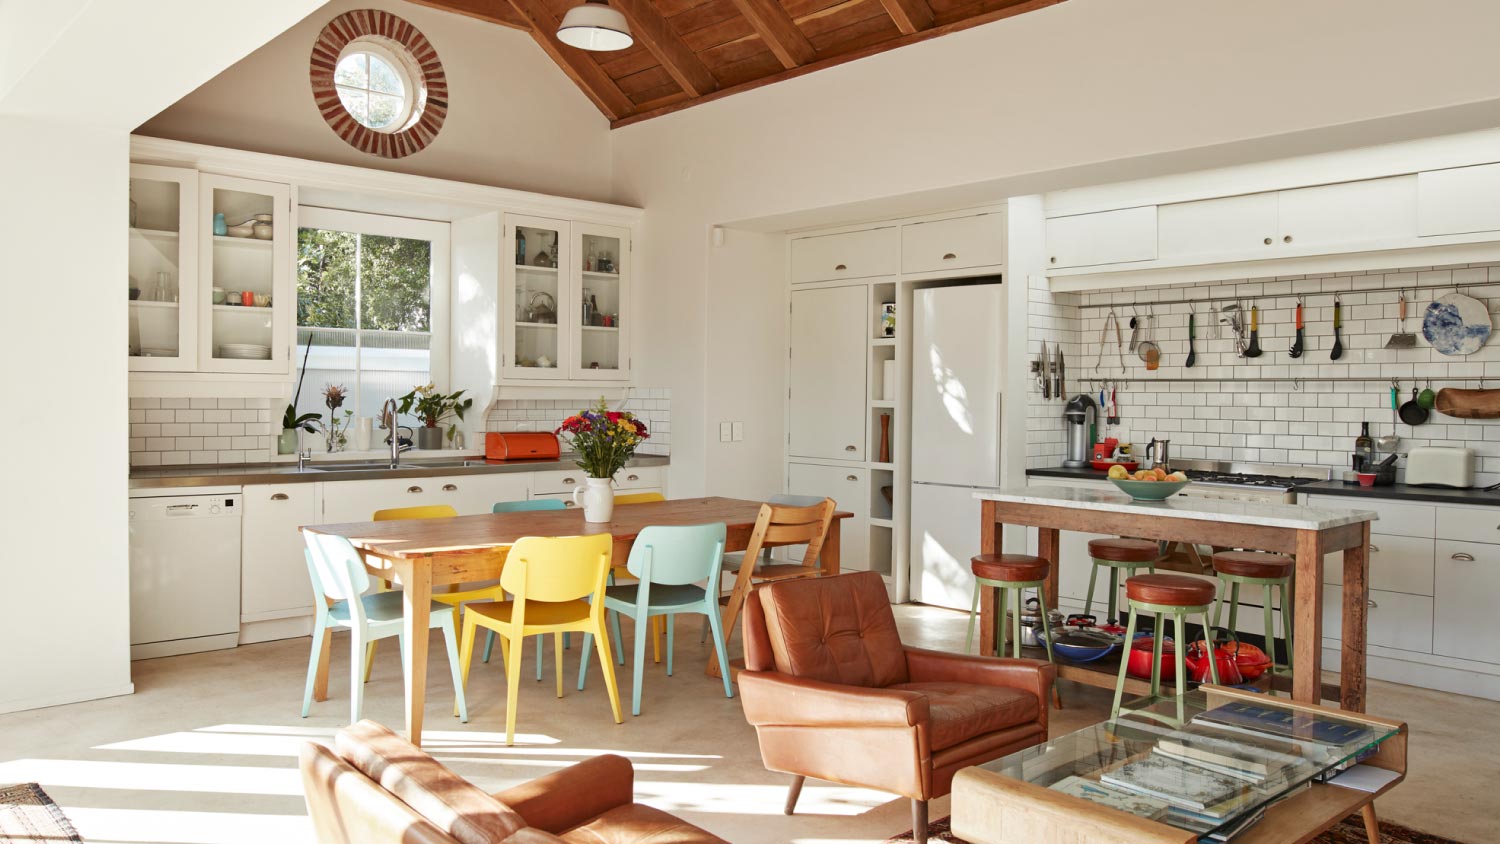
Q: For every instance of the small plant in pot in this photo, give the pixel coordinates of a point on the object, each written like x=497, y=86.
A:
x=604, y=440
x=434, y=408
x=290, y=424
x=337, y=430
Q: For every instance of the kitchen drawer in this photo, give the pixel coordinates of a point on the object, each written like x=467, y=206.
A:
x=1466, y=583
x=959, y=243
x=1396, y=620
x=1469, y=524
x=859, y=254
x=1397, y=564
x=1397, y=518
x=639, y=478
x=476, y=494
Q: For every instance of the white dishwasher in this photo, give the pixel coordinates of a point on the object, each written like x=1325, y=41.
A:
x=184, y=573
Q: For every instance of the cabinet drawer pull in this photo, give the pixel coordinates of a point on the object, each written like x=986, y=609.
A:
x=1373, y=605
x=280, y=496
x=840, y=267
x=1053, y=259
x=1374, y=549
x=949, y=256
x=1267, y=241
x=569, y=504
x=632, y=477
x=1464, y=558
x=413, y=489
x=850, y=448
x=1287, y=239
x=851, y=477
x=450, y=488
x=569, y=482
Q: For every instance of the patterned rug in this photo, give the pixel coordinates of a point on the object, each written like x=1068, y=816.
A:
x=28, y=815
x=1350, y=831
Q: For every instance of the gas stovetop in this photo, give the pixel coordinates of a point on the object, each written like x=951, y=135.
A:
x=1267, y=481
x=1267, y=476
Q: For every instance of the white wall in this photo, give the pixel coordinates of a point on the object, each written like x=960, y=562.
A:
x=514, y=119
x=1070, y=86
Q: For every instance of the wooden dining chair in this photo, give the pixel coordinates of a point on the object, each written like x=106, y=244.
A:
x=558, y=584
x=778, y=525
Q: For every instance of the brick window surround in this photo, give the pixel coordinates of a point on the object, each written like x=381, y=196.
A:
x=429, y=99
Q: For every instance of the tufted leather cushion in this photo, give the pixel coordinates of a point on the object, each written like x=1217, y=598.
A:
x=961, y=711
x=1253, y=564
x=444, y=798
x=1170, y=589
x=638, y=824
x=1125, y=550
x=1009, y=568
x=834, y=629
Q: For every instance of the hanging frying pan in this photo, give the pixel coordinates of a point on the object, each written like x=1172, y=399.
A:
x=1412, y=412
x=1456, y=324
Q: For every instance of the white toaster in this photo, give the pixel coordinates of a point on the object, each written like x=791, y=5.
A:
x=1438, y=466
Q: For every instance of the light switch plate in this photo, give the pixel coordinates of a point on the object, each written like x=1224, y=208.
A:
x=726, y=432
x=739, y=431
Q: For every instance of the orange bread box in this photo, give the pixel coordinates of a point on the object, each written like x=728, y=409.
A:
x=542, y=446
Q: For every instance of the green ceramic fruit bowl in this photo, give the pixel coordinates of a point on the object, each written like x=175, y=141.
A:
x=1150, y=490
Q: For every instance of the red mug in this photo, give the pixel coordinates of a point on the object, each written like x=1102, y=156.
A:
x=247, y=299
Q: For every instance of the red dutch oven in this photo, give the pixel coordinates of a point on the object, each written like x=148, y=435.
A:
x=1139, y=661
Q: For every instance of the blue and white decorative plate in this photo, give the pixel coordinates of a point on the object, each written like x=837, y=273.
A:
x=1456, y=324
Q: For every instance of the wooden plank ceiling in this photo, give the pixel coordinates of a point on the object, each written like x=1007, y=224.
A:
x=691, y=51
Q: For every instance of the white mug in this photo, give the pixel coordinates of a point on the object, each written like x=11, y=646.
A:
x=364, y=433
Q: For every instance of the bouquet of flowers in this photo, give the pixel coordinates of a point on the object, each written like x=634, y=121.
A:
x=604, y=439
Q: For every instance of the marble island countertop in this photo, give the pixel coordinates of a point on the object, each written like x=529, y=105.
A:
x=1295, y=516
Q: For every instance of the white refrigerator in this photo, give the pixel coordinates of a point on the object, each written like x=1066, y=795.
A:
x=957, y=358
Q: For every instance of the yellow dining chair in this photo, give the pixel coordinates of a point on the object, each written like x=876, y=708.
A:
x=558, y=586
x=639, y=498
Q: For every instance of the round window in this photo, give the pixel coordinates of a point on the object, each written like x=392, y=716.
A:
x=378, y=83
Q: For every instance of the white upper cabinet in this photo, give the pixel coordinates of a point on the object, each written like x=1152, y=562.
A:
x=954, y=244
x=1211, y=228
x=246, y=300
x=827, y=376
x=163, y=268
x=1373, y=213
x=860, y=254
x=1106, y=237
x=1458, y=201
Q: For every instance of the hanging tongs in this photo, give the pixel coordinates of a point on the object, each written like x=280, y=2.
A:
x=1103, y=334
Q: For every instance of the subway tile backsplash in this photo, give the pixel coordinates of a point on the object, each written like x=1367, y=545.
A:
x=172, y=432
x=654, y=405
x=1251, y=417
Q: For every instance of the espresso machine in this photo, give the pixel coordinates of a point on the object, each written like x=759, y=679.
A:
x=1079, y=417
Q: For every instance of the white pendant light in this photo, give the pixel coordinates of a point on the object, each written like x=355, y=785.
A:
x=593, y=25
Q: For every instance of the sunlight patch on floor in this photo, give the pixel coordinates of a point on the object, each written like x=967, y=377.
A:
x=145, y=776
x=128, y=826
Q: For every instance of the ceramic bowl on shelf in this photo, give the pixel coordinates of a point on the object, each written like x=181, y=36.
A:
x=262, y=231
x=218, y=295
x=245, y=229
x=1149, y=490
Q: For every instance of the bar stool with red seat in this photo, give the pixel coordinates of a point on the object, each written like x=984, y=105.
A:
x=1268, y=571
x=1176, y=595
x=1115, y=553
x=1009, y=572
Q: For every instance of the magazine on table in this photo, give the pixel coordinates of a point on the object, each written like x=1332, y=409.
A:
x=1179, y=783
x=1115, y=798
x=1285, y=723
x=1252, y=754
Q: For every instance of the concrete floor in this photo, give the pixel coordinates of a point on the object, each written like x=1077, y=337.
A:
x=205, y=751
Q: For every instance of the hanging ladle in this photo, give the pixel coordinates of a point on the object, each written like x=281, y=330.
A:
x=1391, y=441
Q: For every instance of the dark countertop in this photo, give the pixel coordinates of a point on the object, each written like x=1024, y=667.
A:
x=280, y=473
x=1394, y=492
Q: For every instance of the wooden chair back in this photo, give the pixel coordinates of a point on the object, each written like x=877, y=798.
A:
x=781, y=524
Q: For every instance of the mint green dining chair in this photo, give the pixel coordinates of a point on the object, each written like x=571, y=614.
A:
x=668, y=563
x=529, y=505
x=339, y=583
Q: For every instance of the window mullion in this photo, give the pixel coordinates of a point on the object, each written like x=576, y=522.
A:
x=359, y=338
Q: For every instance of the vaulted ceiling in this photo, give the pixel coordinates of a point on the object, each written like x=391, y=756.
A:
x=691, y=51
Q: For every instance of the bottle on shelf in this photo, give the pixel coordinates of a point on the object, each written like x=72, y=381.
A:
x=520, y=247
x=1364, y=449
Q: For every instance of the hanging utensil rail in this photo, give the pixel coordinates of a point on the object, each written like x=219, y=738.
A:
x=1304, y=293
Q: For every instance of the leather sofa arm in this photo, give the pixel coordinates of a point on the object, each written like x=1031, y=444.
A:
x=774, y=699
x=564, y=799
x=1032, y=675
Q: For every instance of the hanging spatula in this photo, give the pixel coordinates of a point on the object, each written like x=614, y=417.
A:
x=1402, y=339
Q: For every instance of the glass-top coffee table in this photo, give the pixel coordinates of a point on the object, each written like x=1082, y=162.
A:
x=1240, y=766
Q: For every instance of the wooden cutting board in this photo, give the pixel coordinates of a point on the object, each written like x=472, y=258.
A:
x=1468, y=404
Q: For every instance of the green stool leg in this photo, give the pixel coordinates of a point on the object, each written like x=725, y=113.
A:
x=1046, y=626
x=1179, y=622
x=1234, y=606
x=1157, y=634
x=1114, y=594
x=973, y=613
x=1000, y=623
x=1213, y=664
x=1286, y=618
x=1015, y=633
x=1088, y=602
x=1114, y=711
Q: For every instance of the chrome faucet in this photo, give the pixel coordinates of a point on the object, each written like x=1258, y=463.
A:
x=388, y=421
x=303, y=454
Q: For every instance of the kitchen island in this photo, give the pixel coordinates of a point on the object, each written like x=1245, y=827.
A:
x=1306, y=533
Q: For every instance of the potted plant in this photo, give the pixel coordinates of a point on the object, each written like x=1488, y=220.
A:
x=290, y=421
x=337, y=429
x=433, y=408
x=604, y=441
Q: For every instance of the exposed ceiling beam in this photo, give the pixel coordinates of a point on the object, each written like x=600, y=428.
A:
x=680, y=62
x=779, y=31
x=579, y=65
x=909, y=15
x=493, y=11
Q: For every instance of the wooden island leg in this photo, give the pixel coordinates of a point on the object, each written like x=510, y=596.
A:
x=1307, y=651
x=416, y=602
x=1048, y=547
x=1356, y=612
x=991, y=536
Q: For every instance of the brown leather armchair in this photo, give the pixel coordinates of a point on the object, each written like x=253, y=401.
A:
x=374, y=787
x=834, y=695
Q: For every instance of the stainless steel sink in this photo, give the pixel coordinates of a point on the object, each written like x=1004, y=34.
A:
x=385, y=466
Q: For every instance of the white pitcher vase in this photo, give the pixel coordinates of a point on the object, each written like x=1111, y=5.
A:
x=598, y=502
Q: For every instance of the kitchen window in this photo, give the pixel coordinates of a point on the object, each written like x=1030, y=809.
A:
x=372, y=307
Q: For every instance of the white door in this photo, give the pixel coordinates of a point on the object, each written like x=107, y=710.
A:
x=829, y=349
x=957, y=357
x=1458, y=201
x=1213, y=228
x=273, y=580
x=1467, y=580
x=944, y=536
x=1106, y=237
x=850, y=488
x=1348, y=215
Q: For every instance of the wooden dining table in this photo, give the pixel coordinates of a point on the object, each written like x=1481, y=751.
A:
x=423, y=553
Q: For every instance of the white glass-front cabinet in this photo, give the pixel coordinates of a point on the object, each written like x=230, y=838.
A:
x=245, y=290
x=163, y=268
x=564, y=302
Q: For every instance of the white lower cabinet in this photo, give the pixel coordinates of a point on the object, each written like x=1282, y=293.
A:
x=1466, y=583
x=474, y=494
x=848, y=486
x=1395, y=619
x=1397, y=564
x=273, y=571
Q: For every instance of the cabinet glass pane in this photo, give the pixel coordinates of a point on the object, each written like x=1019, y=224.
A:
x=243, y=274
x=599, y=306
x=155, y=258
x=537, y=297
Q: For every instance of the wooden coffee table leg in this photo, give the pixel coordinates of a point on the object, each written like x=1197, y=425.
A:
x=1372, y=823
